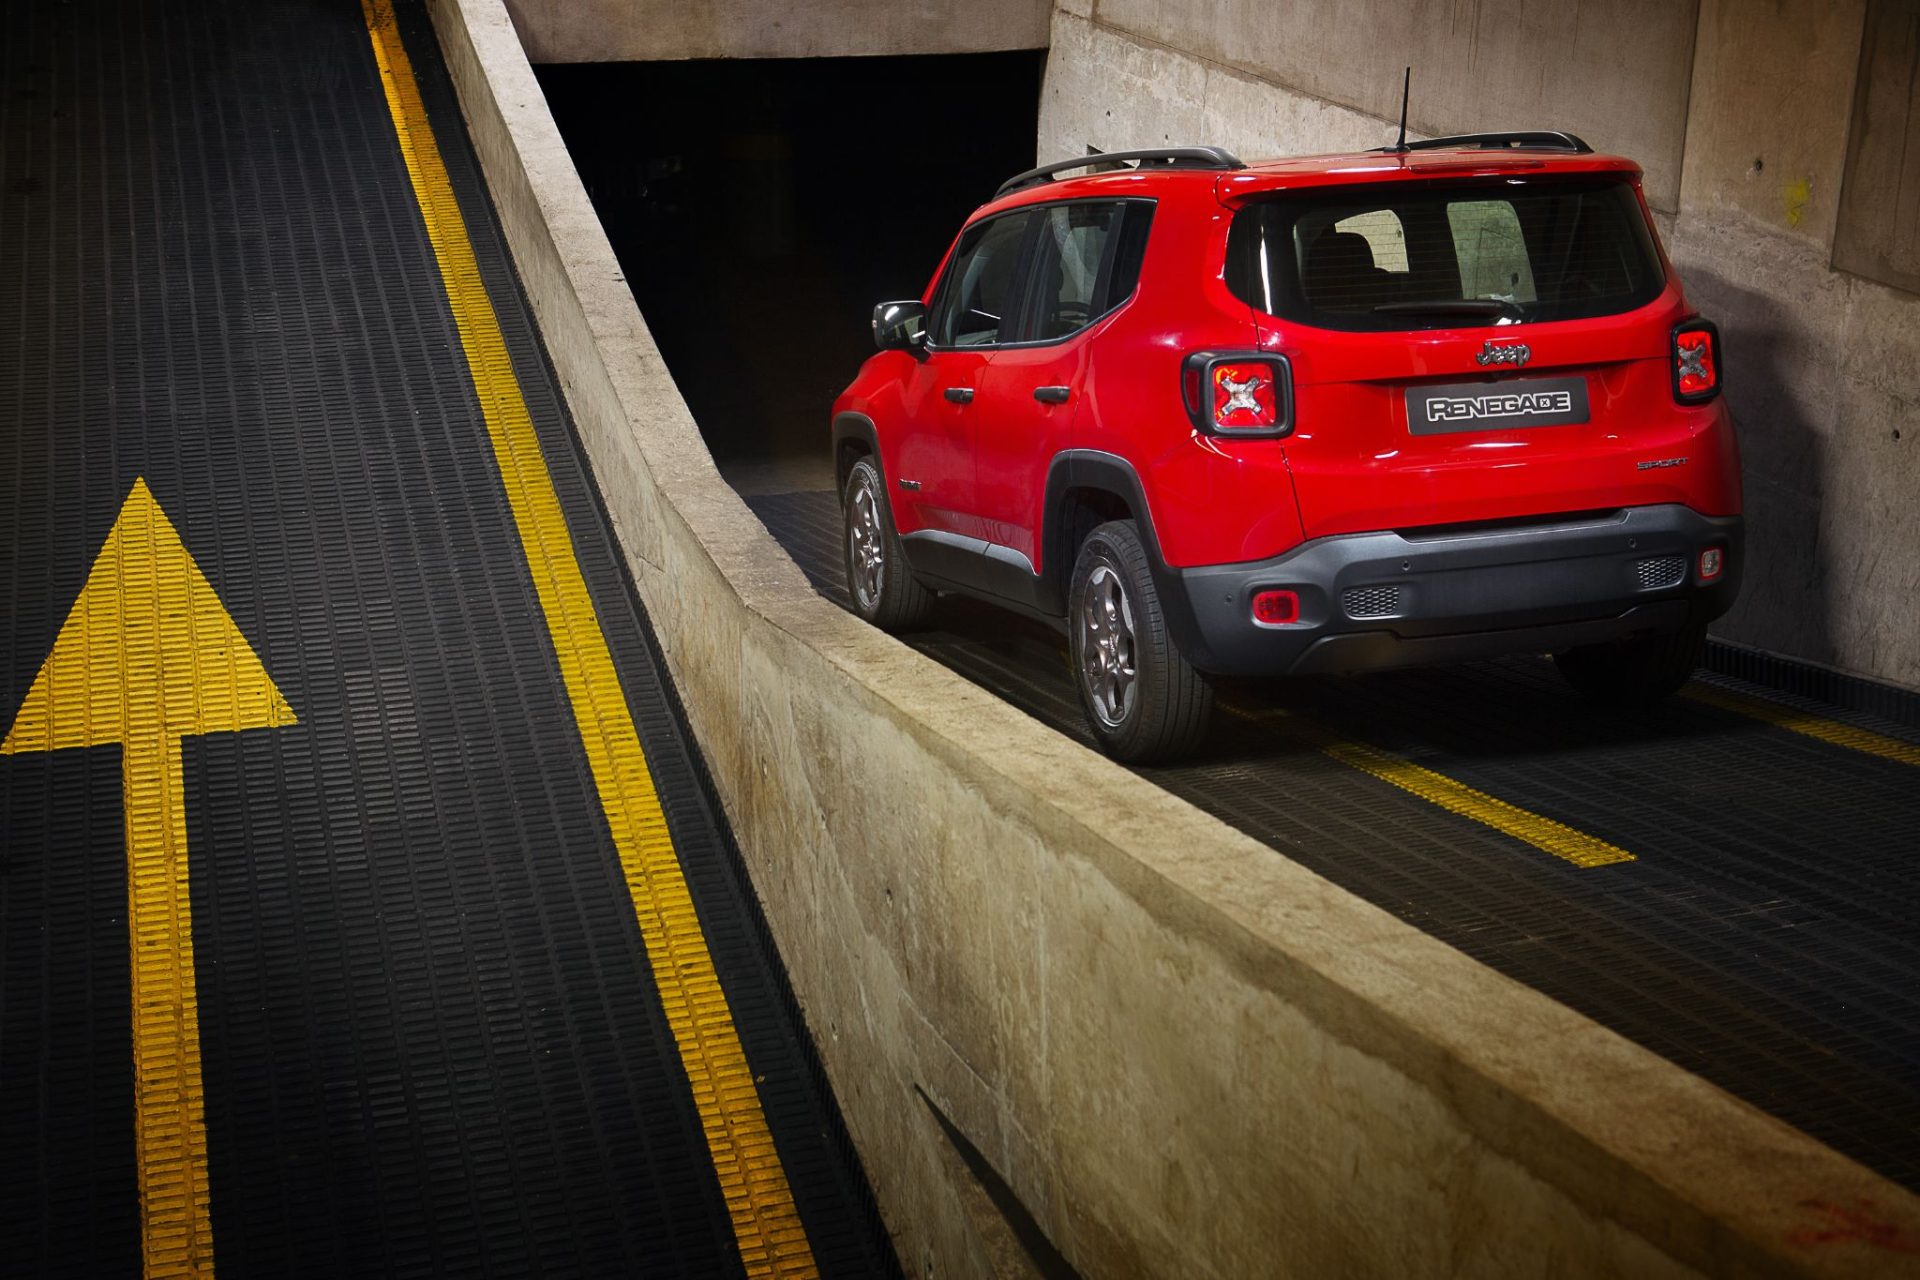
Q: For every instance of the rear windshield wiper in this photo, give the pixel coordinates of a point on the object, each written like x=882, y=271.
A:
x=1450, y=307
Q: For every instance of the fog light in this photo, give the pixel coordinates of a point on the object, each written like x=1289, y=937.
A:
x=1276, y=608
x=1712, y=561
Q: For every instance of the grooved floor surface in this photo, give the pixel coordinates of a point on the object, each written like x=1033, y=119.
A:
x=1766, y=935
x=432, y=1043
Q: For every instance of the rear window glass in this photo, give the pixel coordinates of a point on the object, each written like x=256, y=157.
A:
x=1433, y=255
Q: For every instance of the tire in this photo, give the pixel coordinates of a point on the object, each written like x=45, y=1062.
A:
x=1638, y=671
x=1142, y=700
x=879, y=580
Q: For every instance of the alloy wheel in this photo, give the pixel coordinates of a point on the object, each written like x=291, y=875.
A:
x=866, y=548
x=1107, y=647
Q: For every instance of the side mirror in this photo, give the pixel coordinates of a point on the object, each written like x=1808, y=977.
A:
x=901, y=326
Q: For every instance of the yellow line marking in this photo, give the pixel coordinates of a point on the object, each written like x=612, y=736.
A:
x=147, y=656
x=1805, y=722
x=1556, y=838
x=765, y=1222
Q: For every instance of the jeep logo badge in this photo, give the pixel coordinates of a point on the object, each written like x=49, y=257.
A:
x=1495, y=353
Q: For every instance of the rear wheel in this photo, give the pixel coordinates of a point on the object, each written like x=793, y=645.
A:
x=1141, y=698
x=1637, y=671
x=879, y=579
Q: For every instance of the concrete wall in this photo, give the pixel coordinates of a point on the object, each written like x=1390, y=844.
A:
x=1739, y=111
x=655, y=30
x=1825, y=366
x=1188, y=1056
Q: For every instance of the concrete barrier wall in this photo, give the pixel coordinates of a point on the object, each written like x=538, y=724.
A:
x=1740, y=113
x=654, y=30
x=1185, y=1054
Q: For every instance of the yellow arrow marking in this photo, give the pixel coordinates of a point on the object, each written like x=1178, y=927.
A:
x=147, y=656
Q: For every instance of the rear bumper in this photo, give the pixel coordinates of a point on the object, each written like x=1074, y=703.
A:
x=1374, y=600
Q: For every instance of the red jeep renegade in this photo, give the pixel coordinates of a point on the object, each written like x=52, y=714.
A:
x=1330, y=414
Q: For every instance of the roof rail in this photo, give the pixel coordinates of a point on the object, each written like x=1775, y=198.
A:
x=1157, y=157
x=1527, y=139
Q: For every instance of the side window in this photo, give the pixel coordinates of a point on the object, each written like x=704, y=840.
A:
x=1491, y=251
x=1066, y=269
x=1087, y=262
x=1129, y=254
x=979, y=297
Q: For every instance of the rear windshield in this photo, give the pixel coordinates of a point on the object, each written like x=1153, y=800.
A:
x=1442, y=255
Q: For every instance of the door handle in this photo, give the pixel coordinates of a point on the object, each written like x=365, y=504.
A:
x=959, y=395
x=1052, y=395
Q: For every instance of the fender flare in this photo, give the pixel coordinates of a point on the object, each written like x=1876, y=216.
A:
x=849, y=425
x=1097, y=469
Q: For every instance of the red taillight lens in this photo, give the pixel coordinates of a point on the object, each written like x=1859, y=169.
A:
x=1713, y=563
x=1243, y=397
x=1276, y=608
x=1693, y=362
x=1244, y=393
x=1696, y=362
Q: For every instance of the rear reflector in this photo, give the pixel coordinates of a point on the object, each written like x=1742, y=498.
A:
x=1276, y=608
x=1713, y=561
x=1696, y=362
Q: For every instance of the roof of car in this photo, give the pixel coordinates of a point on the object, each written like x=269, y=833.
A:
x=1342, y=168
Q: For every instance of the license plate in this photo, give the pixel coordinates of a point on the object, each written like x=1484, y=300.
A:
x=1496, y=406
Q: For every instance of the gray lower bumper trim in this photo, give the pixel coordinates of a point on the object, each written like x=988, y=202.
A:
x=1444, y=597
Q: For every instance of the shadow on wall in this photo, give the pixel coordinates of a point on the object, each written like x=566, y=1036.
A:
x=1783, y=604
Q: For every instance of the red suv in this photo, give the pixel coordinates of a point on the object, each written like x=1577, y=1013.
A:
x=1312, y=415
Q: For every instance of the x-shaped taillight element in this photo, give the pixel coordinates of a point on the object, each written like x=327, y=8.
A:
x=1240, y=394
x=1693, y=361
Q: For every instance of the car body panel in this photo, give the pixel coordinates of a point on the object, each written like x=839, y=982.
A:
x=933, y=465
x=1018, y=434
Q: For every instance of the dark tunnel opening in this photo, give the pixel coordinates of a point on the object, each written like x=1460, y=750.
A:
x=759, y=209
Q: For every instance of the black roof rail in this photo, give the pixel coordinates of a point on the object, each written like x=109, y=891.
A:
x=1524, y=139
x=1157, y=157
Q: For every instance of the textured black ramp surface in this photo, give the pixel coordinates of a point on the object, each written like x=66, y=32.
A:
x=1767, y=937
x=432, y=1041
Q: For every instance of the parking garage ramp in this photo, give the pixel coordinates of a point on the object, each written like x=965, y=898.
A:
x=364, y=908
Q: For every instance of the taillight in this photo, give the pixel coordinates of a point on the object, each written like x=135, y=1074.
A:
x=1238, y=393
x=1243, y=397
x=1696, y=362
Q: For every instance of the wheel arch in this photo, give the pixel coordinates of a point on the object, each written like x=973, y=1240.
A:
x=854, y=436
x=1092, y=482
x=1086, y=487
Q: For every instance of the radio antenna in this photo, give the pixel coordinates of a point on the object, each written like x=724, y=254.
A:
x=1406, y=88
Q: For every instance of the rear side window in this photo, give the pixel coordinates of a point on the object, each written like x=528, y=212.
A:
x=1086, y=263
x=1429, y=255
x=1074, y=239
x=979, y=299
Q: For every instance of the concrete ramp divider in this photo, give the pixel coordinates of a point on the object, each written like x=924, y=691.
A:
x=1185, y=1054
